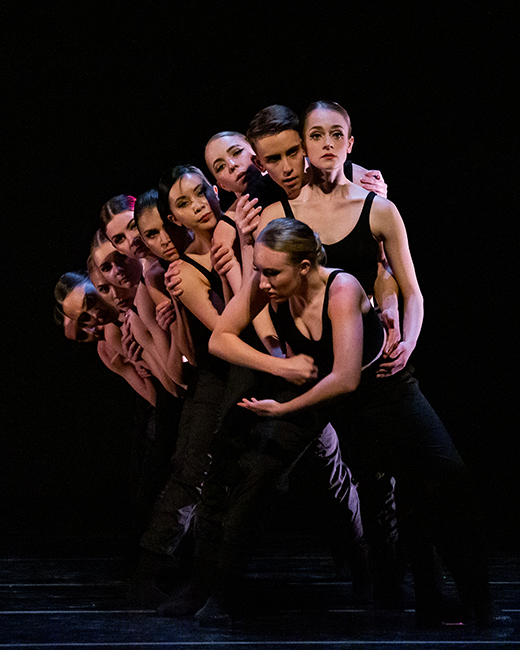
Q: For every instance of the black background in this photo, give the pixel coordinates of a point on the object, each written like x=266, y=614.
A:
x=100, y=103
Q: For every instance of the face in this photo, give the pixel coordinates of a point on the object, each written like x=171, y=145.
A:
x=122, y=232
x=86, y=335
x=156, y=236
x=326, y=139
x=283, y=158
x=117, y=269
x=278, y=277
x=228, y=159
x=87, y=307
x=122, y=298
x=193, y=203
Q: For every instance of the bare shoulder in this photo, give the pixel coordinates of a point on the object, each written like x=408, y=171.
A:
x=274, y=211
x=224, y=232
x=383, y=215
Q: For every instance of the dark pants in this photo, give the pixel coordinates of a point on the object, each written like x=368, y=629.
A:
x=199, y=422
x=389, y=426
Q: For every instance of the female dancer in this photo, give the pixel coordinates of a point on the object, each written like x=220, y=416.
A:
x=351, y=221
x=334, y=344
x=191, y=206
x=117, y=223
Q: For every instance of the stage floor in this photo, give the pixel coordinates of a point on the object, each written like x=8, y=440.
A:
x=295, y=600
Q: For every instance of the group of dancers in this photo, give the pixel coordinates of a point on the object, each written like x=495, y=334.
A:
x=279, y=328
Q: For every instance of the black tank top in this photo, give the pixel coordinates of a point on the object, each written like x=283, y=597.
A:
x=199, y=332
x=322, y=351
x=356, y=253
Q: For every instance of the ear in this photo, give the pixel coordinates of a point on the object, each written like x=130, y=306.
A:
x=258, y=164
x=350, y=144
x=215, y=189
x=305, y=267
x=174, y=220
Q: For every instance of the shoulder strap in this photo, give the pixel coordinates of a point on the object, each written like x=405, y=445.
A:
x=330, y=280
x=287, y=207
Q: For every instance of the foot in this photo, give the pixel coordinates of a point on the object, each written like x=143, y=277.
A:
x=213, y=614
x=185, y=602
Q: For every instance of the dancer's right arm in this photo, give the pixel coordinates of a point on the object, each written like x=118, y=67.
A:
x=226, y=343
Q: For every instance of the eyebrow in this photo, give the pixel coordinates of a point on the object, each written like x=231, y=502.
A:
x=228, y=150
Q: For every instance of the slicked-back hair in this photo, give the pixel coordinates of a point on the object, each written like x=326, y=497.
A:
x=328, y=105
x=68, y=282
x=116, y=205
x=272, y=120
x=294, y=238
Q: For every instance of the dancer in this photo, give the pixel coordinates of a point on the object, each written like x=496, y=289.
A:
x=335, y=341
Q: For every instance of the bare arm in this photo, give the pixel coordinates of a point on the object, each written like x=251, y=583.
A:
x=345, y=300
x=387, y=226
x=114, y=361
x=226, y=343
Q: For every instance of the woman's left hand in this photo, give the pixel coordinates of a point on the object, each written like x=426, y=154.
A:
x=396, y=360
x=264, y=407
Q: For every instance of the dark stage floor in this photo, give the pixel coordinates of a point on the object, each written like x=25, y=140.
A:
x=294, y=600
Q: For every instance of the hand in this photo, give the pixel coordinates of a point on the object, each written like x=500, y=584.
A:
x=222, y=258
x=131, y=348
x=172, y=279
x=165, y=314
x=264, y=408
x=391, y=322
x=373, y=182
x=299, y=369
x=142, y=370
x=247, y=218
x=397, y=360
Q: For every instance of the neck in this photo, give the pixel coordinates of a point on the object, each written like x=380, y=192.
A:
x=201, y=243
x=328, y=180
x=311, y=286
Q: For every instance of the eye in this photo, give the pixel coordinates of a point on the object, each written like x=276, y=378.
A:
x=219, y=168
x=118, y=239
x=150, y=234
x=105, y=268
x=315, y=136
x=84, y=319
x=237, y=151
x=90, y=300
x=103, y=288
x=337, y=135
x=132, y=225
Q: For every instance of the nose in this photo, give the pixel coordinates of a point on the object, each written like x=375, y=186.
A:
x=328, y=142
x=287, y=166
x=264, y=283
x=232, y=165
x=164, y=238
x=198, y=204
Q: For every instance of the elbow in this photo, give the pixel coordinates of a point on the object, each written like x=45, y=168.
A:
x=215, y=346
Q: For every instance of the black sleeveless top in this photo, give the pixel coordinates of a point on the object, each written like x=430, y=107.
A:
x=356, y=253
x=199, y=332
x=322, y=351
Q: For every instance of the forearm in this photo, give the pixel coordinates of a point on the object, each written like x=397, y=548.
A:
x=386, y=289
x=231, y=348
x=413, y=314
x=327, y=389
